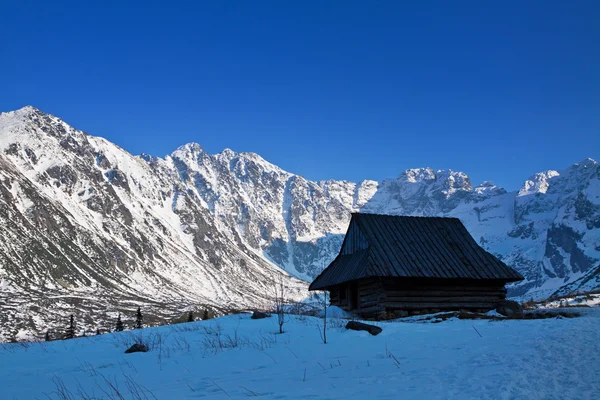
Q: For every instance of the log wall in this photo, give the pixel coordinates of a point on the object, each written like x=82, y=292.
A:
x=376, y=295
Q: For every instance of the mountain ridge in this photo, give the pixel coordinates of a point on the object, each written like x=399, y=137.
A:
x=225, y=223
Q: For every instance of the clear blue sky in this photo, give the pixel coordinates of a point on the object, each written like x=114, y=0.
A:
x=345, y=90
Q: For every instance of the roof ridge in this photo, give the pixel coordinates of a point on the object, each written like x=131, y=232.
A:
x=401, y=216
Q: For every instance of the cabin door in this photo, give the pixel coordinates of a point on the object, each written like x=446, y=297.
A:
x=353, y=295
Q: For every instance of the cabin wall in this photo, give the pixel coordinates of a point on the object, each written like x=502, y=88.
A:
x=376, y=295
x=461, y=295
x=356, y=295
x=336, y=296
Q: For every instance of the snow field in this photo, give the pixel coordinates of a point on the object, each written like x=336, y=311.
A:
x=236, y=357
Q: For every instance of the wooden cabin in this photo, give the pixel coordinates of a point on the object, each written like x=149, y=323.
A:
x=401, y=265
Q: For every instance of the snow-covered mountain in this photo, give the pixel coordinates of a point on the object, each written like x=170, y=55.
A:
x=87, y=227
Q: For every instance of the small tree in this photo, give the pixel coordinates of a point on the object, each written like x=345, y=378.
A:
x=97, y=331
x=139, y=319
x=205, y=315
x=279, y=302
x=70, y=332
x=119, y=325
x=190, y=316
x=47, y=337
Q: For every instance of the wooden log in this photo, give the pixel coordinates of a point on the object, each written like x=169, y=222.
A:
x=439, y=282
x=370, y=297
x=442, y=297
x=441, y=306
x=370, y=288
x=359, y=326
x=431, y=290
x=371, y=309
x=453, y=299
x=449, y=288
x=442, y=293
x=366, y=291
x=485, y=299
x=368, y=304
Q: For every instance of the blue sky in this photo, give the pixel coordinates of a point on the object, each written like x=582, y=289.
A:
x=344, y=90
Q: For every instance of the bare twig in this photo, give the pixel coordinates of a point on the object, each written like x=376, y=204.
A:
x=223, y=390
x=390, y=355
x=292, y=352
x=270, y=356
x=249, y=391
x=61, y=389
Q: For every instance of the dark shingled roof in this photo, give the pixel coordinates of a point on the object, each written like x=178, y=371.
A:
x=415, y=247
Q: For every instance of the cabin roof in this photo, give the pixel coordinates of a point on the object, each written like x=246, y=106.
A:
x=414, y=247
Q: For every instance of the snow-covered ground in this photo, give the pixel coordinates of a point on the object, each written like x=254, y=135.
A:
x=589, y=300
x=236, y=357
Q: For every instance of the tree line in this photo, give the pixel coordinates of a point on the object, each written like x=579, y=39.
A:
x=71, y=332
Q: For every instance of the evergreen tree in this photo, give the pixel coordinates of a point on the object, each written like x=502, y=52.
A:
x=119, y=326
x=205, y=315
x=97, y=331
x=70, y=332
x=47, y=337
x=139, y=319
x=191, y=317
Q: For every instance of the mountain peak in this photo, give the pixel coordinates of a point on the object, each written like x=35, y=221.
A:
x=24, y=112
x=587, y=162
x=187, y=149
x=418, y=174
x=21, y=112
x=488, y=188
x=538, y=183
x=228, y=153
x=28, y=109
x=13, y=119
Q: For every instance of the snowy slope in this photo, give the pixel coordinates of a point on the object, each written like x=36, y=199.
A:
x=89, y=229
x=236, y=357
x=86, y=226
